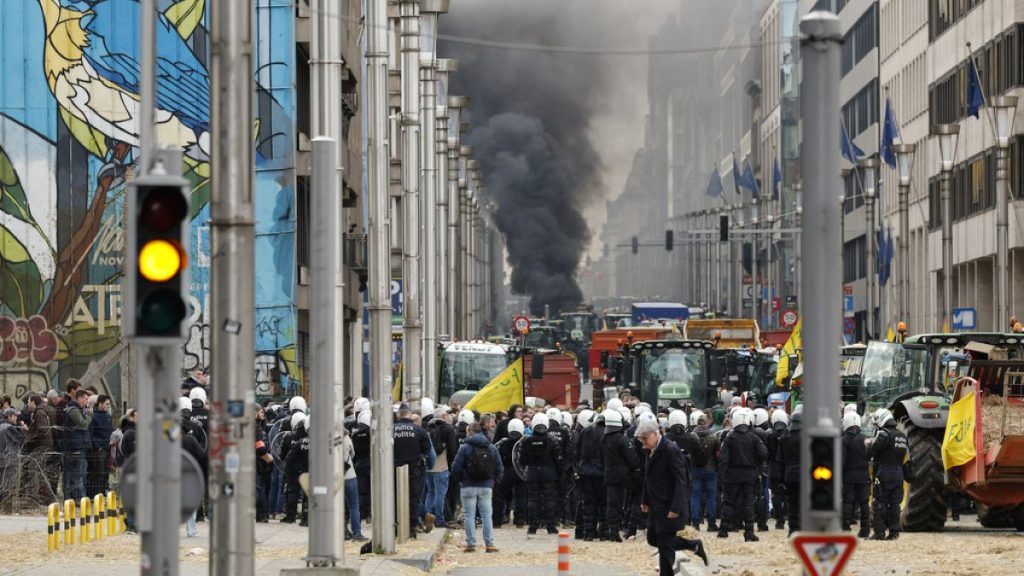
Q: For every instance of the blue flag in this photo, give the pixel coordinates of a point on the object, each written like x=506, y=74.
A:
x=850, y=150
x=776, y=179
x=749, y=181
x=715, y=184
x=737, y=178
x=975, y=97
x=883, y=257
x=890, y=135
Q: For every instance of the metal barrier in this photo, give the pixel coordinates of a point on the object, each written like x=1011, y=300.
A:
x=91, y=519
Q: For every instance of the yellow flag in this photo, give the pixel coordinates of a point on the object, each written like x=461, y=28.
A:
x=890, y=335
x=793, y=346
x=505, y=390
x=396, y=390
x=958, y=441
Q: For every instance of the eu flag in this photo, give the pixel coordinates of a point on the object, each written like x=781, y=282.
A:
x=776, y=179
x=737, y=178
x=749, y=181
x=715, y=184
x=890, y=135
x=850, y=150
x=975, y=97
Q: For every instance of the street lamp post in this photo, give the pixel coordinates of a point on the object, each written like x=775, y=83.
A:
x=1004, y=107
x=948, y=135
x=904, y=165
x=869, y=167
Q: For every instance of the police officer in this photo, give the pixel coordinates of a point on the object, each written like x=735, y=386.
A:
x=761, y=428
x=539, y=454
x=789, y=461
x=779, y=421
x=855, y=474
x=511, y=499
x=296, y=463
x=360, y=434
x=413, y=448
x=742, y=457
x=620, y=466
x=887, y=453
x=560, y=435
x=590, y=468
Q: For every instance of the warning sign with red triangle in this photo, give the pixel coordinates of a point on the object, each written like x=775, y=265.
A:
x=824, y=554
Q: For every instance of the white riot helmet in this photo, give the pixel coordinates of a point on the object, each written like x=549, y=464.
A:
x=743, y=416
x=780, y=416
x=614, y=404
x=184, y=403
x=850, y=408
x=850, y=419
x=612, y=418
x=554, y=414
x=297, y=403
x=646, y=417
x=677, y=418
x=364, y=417
x=516, y=425
x=467, y=416
x=695, y=417
x=643, y=408
x=882, y=416
x=539, y=419
x=627, y=416
x=297, y=418
x=426, y=407
x=586, y=418
x=197, y=393
x=567, y=419
x=760, y=416
x=361, y=405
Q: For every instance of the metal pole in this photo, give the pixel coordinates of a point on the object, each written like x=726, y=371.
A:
x=456, y=165
x=444, y=68
x=822, y=245
x=1002, y=241
x=947, y=246
x=375, y=110
x=232, y=471
x=412, y=328
x=428, y=119
x=904, y=208
x=755, y=268
x=868, y=167
x=708, y=294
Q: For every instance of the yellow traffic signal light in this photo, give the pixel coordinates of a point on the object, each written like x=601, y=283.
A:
x=822, y=473
x=160, y=260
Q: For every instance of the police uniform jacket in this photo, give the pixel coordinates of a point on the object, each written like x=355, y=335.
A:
x=412, y=447
x=888, y=452
x=591, y=452
x=855, y=457
x=620, y=460
x=540, y=456
x=742, y=455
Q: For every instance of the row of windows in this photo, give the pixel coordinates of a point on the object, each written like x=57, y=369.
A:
x=852, y=198
x=861, y=39
x=944, y=13
x=1000, y=67
x=900, y=20
x=855, y=259
x=973, y=185
x=861, y=111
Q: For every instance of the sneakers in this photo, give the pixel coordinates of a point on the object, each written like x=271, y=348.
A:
x=490, y=549
x=428, y=523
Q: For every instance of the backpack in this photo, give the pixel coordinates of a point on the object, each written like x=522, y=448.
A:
x=481, y=464
x=702, y=455
x=434, y=431
x=116, y=459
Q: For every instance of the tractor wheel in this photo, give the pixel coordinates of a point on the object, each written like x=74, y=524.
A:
x=925, y=509
x=998, y=517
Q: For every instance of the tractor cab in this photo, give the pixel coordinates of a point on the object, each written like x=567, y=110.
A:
x=672, y=373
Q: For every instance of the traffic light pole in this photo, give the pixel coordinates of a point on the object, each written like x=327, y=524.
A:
x=232, y=451
x=821, y=474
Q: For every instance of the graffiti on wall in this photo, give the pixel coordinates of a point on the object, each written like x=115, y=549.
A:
x=69, y=137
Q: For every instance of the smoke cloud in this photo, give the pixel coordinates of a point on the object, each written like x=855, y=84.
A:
x=544, y=124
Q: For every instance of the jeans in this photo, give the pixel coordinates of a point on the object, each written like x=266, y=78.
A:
x=474, y=499
x=352, y=506
x=275, y=503
x=705, y=488
x=437, y=488
x=74, y=476
x=191, y=529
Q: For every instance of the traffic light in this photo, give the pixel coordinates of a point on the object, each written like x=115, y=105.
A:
x=723, y=228
x=823, y=473
x=156, y=277
x=669, y=240
x=636, y=245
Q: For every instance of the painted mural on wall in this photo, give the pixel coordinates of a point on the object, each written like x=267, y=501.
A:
x=68, y=146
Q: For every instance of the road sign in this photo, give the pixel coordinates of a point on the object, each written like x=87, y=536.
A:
x=521, y=323
x=192, y=485
x=788, y=318
x=965, y=319
x=824, y=554
x=776, y=304
x=848, y=303
x=847, y=290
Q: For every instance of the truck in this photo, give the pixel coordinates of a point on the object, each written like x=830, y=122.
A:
x=671, y=373
x=916, y=381
x=733, y=334
x=552, y=376
x=654, y=311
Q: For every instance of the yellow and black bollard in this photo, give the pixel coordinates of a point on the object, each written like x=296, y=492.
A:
x=112, y=519
x=99, y=509
x=53, y=527
x=85, y=520
x=69, y=522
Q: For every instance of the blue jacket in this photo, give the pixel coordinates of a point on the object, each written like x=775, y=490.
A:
x=465, y=454
x=100, y=428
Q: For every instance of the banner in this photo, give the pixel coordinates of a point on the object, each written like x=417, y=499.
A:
x=958, y=441
x=505, y=390
x=794, y=345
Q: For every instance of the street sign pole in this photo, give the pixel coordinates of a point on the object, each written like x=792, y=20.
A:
x=820, y=44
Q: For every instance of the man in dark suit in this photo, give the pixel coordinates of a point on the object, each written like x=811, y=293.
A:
x=666, y=497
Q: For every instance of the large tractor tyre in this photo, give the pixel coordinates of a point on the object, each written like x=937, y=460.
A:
x=925, y=509
x=999, y=517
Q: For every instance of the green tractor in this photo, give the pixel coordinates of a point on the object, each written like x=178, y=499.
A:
x=914, y=380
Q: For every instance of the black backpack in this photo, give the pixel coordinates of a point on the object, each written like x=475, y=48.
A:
x=434, y=431
x=703, y=453
x=481, y=464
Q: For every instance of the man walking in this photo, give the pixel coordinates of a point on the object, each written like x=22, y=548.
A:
x=476, y=465
x=665, y=497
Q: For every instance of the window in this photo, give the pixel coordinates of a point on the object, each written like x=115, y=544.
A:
x=854, y=259
x=944, y=13
x=1000, y=66
x=861, y=39
x=861, y=111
